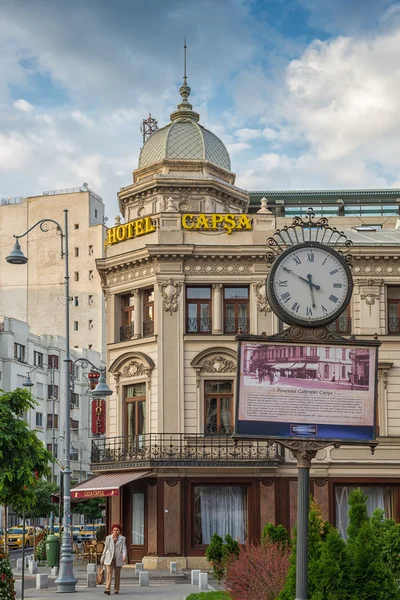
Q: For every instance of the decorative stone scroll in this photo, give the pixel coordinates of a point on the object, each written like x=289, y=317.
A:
x=133, y=369
x=130, y=365
x=170, y=293
x=370, y=290
x=262, y=302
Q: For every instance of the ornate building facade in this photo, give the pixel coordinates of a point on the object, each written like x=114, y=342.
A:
x=183, y=272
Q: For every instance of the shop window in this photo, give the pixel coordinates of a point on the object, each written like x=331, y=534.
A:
x=53, y=361
x=137, y=519
x=393, y=299
x=127, y=324
x=220, y=509
x=218, y=407
x=19, y=352
x=50, y=421
x=148, y=312
x=236, y=309
x=39, y=419
x=37, y=359
x=198, y=310
x=377, y=497
x=135, y=410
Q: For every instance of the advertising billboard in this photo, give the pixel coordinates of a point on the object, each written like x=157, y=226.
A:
x=305, y=391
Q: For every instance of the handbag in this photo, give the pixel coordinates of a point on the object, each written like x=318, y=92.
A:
x=100, y=575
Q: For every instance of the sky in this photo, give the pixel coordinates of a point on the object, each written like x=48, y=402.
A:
x=305, y=94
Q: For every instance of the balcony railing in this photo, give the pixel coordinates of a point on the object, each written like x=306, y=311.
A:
x=126, y=332
x=393, y=325
x=233, y=325
x=178, y=449
x=148, y=328
x=342, y=325
x=202, y=325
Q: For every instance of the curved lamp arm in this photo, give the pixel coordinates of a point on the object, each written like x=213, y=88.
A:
x=43, y=225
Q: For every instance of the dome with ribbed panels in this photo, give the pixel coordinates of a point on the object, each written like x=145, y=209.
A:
x=184, y=139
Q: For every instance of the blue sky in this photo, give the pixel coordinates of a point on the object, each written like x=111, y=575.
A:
x=304, y=93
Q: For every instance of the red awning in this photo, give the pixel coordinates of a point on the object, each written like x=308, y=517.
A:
x=105, y=485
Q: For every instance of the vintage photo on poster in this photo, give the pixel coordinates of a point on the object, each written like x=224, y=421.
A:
x=322, y=391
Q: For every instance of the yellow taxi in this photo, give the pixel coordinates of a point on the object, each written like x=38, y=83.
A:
x=89, y=532
x=15, y=535
x=1, y=538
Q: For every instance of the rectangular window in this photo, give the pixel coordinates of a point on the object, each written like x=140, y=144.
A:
x=137, y=518
x=90, y=299
x=74, y=454
x=74, y=424
x=90, y=323
x=52, y=390
x=220, y=509
x=236, y=310
x=76, y=276
x=53, y=361
x=76, y=252
x=76, y=226
x=90, y=250
x=135, y=410
x=198, y=310
x=76, y=325
x=148, y=312
x=393, y=310
x=378, y=497
x=39, y=390
x=76, y=300
x=37, y=359
x=127, y=327
x=95, y=213
x=75, y=400
x=90, y=275
x=50, y=421
x=19, y=352
x=49, y=447
x=39, y=419
x=218, y=407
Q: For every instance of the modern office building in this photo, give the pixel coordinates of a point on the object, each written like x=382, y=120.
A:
x=34, y=292
x=184, y=271
x=22, y=352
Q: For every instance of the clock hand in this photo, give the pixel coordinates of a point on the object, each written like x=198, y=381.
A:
x=317, y=287
x=311, y=290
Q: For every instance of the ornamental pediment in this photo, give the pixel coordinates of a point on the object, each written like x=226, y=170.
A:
x=214, y=361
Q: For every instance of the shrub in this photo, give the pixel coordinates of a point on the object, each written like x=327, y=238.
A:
x=215, y=555
x=231, y=548
x=6, y=578
x=330, y=575
x=276, y=535
x=101, y=533
x=258, y=573
x=41, y=551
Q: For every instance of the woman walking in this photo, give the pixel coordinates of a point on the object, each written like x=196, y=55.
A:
x=114, y=554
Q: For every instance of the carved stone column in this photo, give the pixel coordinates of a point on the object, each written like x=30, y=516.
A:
x=217, y=308
x=382, y=393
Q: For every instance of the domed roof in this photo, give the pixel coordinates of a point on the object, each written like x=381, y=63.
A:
x=184, y=139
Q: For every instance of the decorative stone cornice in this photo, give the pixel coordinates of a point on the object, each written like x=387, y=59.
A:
x=170, y=291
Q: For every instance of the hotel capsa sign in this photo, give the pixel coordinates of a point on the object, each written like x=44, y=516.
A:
x=221, y=222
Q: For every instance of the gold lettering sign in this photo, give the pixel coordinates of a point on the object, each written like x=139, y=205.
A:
x=217, y=222
x=129, y=230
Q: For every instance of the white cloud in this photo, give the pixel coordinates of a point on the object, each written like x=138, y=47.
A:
x=246, y=134
x=23, y=105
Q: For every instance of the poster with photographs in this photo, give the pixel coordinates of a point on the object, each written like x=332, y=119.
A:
x=325, y=392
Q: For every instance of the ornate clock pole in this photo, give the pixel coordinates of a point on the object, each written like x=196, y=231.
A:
x=309, y=399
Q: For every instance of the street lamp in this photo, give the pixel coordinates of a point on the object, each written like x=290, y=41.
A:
x=66, y=580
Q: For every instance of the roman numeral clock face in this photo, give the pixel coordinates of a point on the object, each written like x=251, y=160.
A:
x=309, y=284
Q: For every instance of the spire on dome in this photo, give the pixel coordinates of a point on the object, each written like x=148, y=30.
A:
x=185, y=111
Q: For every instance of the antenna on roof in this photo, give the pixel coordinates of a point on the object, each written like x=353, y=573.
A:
x=184, y=62
x=148, y=127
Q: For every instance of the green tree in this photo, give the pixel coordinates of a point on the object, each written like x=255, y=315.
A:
x=24, y=459
x=358, y=514
x=44, y=503
x=330, y=574
x=387, y=532
x=276, y=535
x=215, y=555
x=90, y=509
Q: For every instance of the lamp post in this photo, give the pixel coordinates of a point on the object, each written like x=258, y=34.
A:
x=66, y=580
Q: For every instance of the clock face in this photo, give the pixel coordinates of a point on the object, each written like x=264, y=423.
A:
x=309, y=284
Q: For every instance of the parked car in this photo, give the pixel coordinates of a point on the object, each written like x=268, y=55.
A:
x=89, y=531
x=15, y=537
x=76, y=533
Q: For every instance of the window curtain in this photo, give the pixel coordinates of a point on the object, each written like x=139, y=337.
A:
x=377, y=497
x=138, y=518
x=223, y=510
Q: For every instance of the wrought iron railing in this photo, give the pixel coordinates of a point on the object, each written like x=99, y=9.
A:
x=342, y=325
x=148, y=328
x=202, y=325
x=165, y=449
x=393, y=325
x=238, y=325
x=126, y=332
